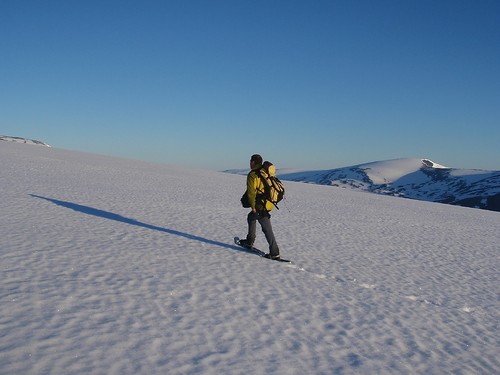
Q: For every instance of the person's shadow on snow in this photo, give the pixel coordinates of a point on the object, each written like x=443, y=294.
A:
x=112, y=216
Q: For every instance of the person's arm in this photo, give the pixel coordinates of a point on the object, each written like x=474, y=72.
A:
x=252, y=190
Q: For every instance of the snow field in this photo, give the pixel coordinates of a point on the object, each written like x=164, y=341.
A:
x=114, y=266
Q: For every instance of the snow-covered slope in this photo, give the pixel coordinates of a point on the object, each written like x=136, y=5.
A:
x=413, y=178
x=22, y=140
x=111, y=266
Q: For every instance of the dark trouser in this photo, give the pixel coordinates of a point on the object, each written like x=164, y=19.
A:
x=265, y=222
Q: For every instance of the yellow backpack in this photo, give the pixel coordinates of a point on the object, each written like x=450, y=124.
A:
x=274, y=190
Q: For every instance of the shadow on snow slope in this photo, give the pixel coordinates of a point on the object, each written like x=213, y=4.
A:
x=112, y=216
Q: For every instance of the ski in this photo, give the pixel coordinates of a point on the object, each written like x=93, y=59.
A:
x=257, y=251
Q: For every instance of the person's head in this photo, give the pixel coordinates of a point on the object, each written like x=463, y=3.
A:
x=256, y=159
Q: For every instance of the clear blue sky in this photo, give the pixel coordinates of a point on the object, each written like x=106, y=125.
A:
x=308, y=84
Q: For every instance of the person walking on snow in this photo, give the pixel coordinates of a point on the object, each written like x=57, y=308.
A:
x=260, y=210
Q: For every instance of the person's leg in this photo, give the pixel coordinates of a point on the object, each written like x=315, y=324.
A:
x=265, y=223
x=252, y=227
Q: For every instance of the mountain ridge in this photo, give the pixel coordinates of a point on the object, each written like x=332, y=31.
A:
x=9, y=138
x=413, y=178
x=420, y=179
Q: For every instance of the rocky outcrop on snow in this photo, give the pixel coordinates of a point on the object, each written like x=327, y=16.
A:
x=22, y=140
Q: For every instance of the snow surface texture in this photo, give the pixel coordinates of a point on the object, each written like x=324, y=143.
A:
x=114, y=266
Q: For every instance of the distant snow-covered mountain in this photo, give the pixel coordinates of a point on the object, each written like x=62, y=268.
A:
x=420, y=179
x=22, y=140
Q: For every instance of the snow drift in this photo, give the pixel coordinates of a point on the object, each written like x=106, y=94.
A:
x=112, y=266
